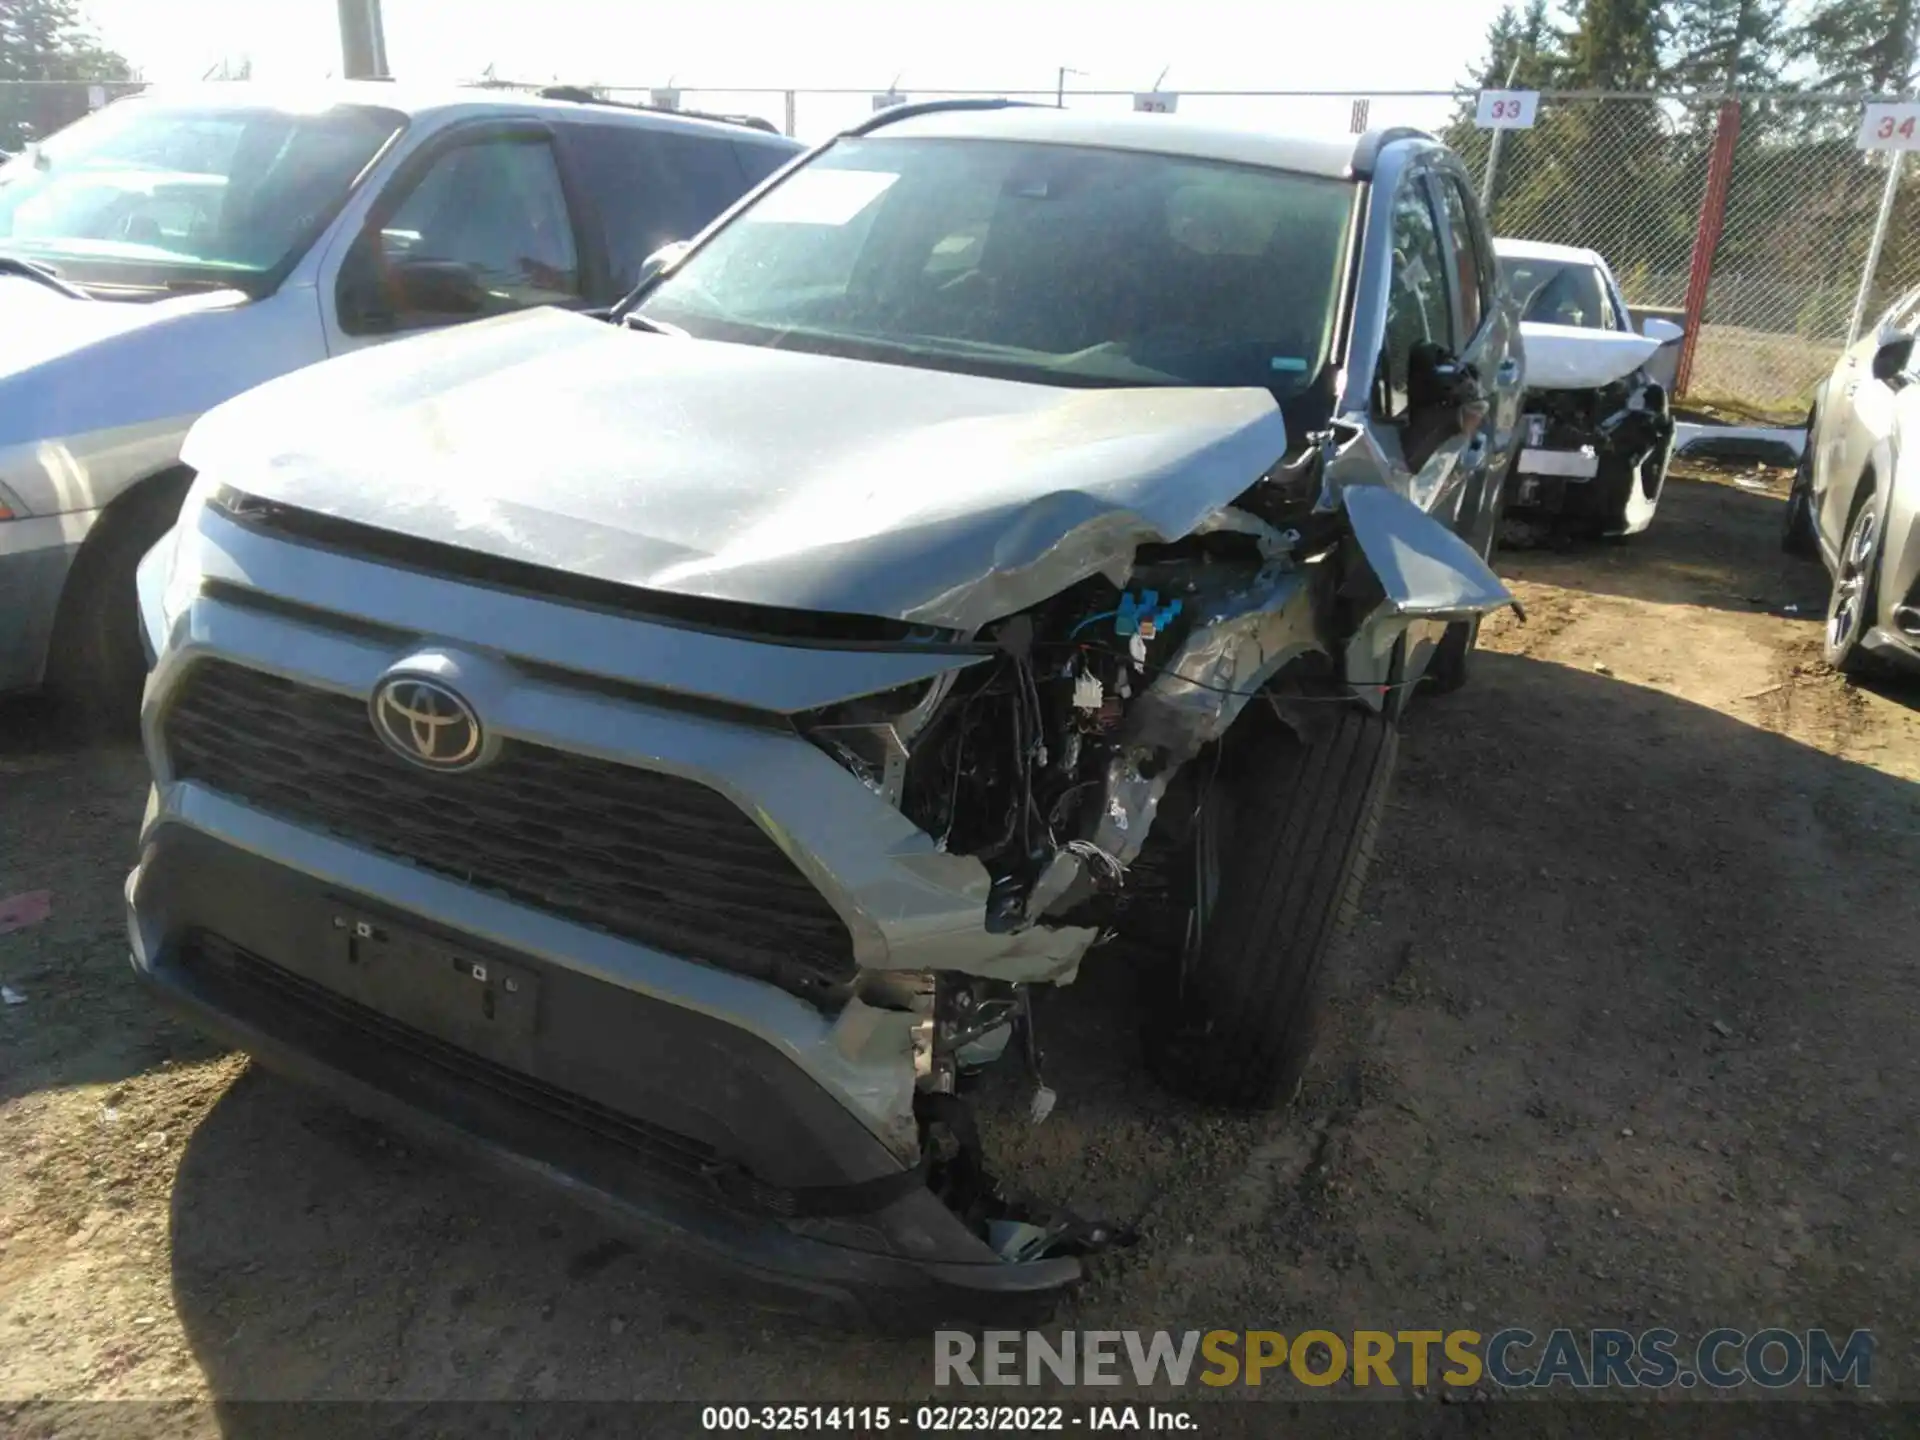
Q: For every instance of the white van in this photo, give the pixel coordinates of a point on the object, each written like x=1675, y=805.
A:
x=173, y=250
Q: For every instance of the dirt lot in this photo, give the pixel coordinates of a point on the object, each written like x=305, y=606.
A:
x=1627, y=1037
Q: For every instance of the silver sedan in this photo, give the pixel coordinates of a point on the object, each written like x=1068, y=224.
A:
x=1855, y=501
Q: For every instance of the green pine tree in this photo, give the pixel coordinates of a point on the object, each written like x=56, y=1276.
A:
x=1717, y=45
x=43, y=40
x=1861, y=44
x=1597, y=173
x=1516, y=58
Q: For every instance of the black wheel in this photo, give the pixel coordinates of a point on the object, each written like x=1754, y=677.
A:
x=1797, y=536
x=96, y=667
x=1279, y=887
x=1855, y=594
x=1451, y=664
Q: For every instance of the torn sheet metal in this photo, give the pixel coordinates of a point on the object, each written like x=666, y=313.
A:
x=1425, y=569
x=1570, y=357
x=1248, y=636
x=745, y=473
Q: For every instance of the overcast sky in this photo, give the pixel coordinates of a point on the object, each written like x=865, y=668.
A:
x=977, y=44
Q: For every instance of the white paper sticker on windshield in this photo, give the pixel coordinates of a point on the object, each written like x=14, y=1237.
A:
x=818, y=196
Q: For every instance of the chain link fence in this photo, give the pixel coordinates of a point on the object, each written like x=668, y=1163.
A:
x=1628, y=176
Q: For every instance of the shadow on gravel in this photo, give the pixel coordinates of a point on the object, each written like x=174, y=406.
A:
x=1624, y=1037
x=1712, y=544
x=69, y=823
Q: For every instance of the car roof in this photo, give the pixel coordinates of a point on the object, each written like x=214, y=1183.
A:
x=422, y=102
x=1329, y=154
x=1540, y=250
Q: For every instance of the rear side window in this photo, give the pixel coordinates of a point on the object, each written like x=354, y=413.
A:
x=1472, y=263
x=653, y=187
x=759, y=161
x=1905, y=315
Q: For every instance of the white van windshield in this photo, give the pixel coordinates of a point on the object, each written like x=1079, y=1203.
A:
x=146, y=193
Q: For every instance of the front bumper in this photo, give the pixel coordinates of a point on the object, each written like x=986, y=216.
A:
x=639, y=1109
x=1572, y=467
x=36, y=552
x=787, y=1098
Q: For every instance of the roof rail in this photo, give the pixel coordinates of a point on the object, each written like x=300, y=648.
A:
x=579, y=94
x=934, y=107
x=1366, y=150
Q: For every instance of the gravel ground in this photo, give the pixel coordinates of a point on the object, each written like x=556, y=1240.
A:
x=1625, y=1037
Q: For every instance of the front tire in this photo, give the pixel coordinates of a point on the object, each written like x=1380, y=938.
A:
x=1451, y=665
x=1797, y=536
x=1246, y=1013
x=97, y=668
x=1855, y=595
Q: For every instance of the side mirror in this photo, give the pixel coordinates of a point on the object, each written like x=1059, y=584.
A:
x=1439, y=379
x=662, y=260
x=1894, y=357
x=1444, y=398
x=436, y=287
x=1664, y=331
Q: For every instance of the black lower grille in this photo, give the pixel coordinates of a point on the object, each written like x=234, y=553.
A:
x=638, y=853
x=319, y=1007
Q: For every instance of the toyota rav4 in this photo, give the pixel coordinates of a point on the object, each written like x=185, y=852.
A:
x=666, y=749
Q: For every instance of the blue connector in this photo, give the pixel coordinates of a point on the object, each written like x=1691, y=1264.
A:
x=1145, y=616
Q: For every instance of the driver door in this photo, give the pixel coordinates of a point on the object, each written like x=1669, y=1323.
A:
x=1418, y=434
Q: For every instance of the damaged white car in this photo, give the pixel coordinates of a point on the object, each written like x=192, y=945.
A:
x=666, y=750
x=1598, y=430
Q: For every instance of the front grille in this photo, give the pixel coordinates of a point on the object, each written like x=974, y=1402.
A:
x=637, y=853
x=321, y=1009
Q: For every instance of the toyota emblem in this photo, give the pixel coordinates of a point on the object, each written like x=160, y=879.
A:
x=423, y=721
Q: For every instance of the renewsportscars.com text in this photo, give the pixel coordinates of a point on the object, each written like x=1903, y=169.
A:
x=1512, y=1358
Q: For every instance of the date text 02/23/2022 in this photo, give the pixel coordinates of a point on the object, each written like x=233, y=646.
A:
x=943, y=1419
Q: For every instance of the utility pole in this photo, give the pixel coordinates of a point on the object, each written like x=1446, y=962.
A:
x=1493, y=153
x=1060, y=89
x=1882, y=221
x=363, y=40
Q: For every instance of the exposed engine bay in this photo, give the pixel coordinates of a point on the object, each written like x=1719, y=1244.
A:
x=1092, y=722
x=1590, y=461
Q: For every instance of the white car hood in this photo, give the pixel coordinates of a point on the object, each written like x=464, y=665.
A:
x=39, y=324
x=741, y=473
x=1569, y=357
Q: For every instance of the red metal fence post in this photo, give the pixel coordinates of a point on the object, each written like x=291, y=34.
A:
x=1713, y=215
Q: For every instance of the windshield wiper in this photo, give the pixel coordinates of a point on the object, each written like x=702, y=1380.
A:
x=26, y=269
x=634, y=320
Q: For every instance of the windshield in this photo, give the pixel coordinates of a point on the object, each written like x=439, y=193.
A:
x=145, y=194
x=1052, y=263
x=1559, y=292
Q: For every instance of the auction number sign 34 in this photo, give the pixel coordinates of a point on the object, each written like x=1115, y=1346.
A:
x=1890, y=127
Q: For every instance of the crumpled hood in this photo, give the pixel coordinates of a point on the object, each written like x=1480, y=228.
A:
x=1571, y=357
x=39, y=324
x=741, y=473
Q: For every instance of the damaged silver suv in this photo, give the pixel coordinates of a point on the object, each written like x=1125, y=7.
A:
x=665, y=749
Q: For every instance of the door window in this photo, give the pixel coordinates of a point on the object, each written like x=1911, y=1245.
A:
x=495, y=212
x=1417, y=306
